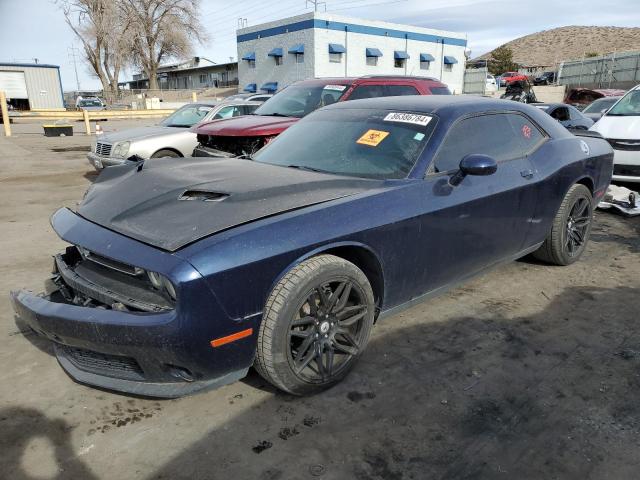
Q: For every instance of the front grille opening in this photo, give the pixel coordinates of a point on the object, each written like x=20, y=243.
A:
x=102, y=364
x=103, y=149
x=234, y=145
x=91, y=284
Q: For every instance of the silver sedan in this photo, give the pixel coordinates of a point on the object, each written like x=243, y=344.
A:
x=170, y=138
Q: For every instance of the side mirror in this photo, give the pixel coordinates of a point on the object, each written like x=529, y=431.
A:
x=474, y=164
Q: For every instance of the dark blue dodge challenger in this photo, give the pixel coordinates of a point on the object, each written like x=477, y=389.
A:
x=181, y=275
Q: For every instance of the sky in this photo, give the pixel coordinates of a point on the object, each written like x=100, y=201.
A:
x=36, y=28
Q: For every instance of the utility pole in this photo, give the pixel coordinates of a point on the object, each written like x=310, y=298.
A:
x=72, y=53
x=315, y=4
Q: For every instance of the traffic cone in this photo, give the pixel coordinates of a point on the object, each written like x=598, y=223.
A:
x=98, y=129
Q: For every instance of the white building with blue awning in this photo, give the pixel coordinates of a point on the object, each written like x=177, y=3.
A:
x=320, y=45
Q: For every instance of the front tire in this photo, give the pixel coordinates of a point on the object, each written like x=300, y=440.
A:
x=571, y=228
x=316, y=324
x=165, y=153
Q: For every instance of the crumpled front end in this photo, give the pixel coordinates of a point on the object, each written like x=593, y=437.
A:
x=128, y=317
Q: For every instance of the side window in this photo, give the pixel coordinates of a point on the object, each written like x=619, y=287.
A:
x=561, y=114
x=227, y=112
x=575, y=114
x=527, y=132
x=397, y=90
x=490, y=134
x=367, y=91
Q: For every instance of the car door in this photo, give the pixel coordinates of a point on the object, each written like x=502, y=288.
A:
x=484, y=219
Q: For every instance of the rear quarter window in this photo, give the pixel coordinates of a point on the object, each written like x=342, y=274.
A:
x=502, y=136
x=440, y=91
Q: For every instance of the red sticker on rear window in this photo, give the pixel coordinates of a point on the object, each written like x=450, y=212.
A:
x=526, y=131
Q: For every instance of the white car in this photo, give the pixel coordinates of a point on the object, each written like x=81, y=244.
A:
x=490, y=84
x=621, y=127
x=170, y=138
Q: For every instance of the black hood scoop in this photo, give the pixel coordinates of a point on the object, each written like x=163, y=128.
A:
x=172, y=202
x=203, y=196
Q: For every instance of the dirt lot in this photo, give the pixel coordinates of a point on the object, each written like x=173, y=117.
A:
x=531, y=371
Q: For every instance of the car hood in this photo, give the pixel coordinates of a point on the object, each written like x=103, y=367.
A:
x=247, y=125
x=140, y=133
x=171, y=204
x=623, y=128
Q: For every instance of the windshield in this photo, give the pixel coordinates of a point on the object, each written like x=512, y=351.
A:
x=600, y=105
x=354, y=142
x=90, y=103
x=186, y=116
x=300, y=100
x=628, y=106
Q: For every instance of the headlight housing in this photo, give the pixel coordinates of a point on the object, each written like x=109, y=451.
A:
x=121, y=149
x=162, y=283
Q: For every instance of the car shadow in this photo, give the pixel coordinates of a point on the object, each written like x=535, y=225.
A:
x=19, y=426
x=548, y=395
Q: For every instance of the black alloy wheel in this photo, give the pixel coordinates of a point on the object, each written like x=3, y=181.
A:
x=327, y=332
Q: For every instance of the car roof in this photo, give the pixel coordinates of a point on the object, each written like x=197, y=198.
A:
x=451, y=107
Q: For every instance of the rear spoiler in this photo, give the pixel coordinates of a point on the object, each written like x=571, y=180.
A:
x=581, y=132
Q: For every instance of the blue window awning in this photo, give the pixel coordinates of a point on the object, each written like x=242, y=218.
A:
x=297, y=49
x=400, y=55
x=450, y=60
x=276, y=52
x=426, y=57
x=373, y=52
x=251, y=88
x=250, y=56
x=270, y=87
x=336, y=48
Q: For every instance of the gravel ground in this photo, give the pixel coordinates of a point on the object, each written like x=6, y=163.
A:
x=530, y=371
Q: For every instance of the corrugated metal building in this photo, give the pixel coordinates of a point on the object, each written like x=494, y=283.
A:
x=32, y=86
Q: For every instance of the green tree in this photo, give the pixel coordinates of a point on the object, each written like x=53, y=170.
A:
x=502, y=61
x=591, y=54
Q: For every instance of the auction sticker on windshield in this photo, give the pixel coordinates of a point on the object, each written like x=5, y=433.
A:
x=408, y=118
x=372, y=137
x=339, y=88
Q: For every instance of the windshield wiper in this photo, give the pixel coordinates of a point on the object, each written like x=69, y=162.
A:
x=309, y=169
x=275, y=114
x=245, y=156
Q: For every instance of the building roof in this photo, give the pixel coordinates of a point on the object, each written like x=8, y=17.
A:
x=336, y=22
x=36, y=65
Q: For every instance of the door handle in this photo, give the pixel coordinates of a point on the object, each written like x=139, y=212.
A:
x=527, y=173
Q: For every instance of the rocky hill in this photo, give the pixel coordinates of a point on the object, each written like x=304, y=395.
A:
x=550, y=47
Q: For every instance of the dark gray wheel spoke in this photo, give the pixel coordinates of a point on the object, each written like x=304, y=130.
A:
x=580, y=208
x=340, y=297
x=306, y=360
x=321, y=367
x=304, y=346
x=352, y=319
x=308, y=320
x=348, y=349
x=329, y=360
x=301, y=333
x=349, y=311
x=581, y=222
x=324, y=300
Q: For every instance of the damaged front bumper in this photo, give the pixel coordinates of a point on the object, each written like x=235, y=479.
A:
x=120, y=339
x=97, y=348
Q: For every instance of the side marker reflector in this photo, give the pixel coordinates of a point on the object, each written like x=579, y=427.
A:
x=218, y=342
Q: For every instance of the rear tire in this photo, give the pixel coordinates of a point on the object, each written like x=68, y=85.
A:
x=315, y=326
x=165, y=153
x=571, y=228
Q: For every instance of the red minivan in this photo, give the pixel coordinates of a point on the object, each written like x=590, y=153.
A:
x=247, y=134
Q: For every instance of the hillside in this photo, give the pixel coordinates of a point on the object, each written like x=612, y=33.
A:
x=549, y=47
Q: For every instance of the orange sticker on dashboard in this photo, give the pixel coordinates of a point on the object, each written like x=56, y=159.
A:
x=372, y=137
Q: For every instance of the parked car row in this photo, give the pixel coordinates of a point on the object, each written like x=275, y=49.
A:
x=210, y=129
x=181, y=274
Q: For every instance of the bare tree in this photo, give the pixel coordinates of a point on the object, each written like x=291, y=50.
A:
x=163, y=29
x=101, y=26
